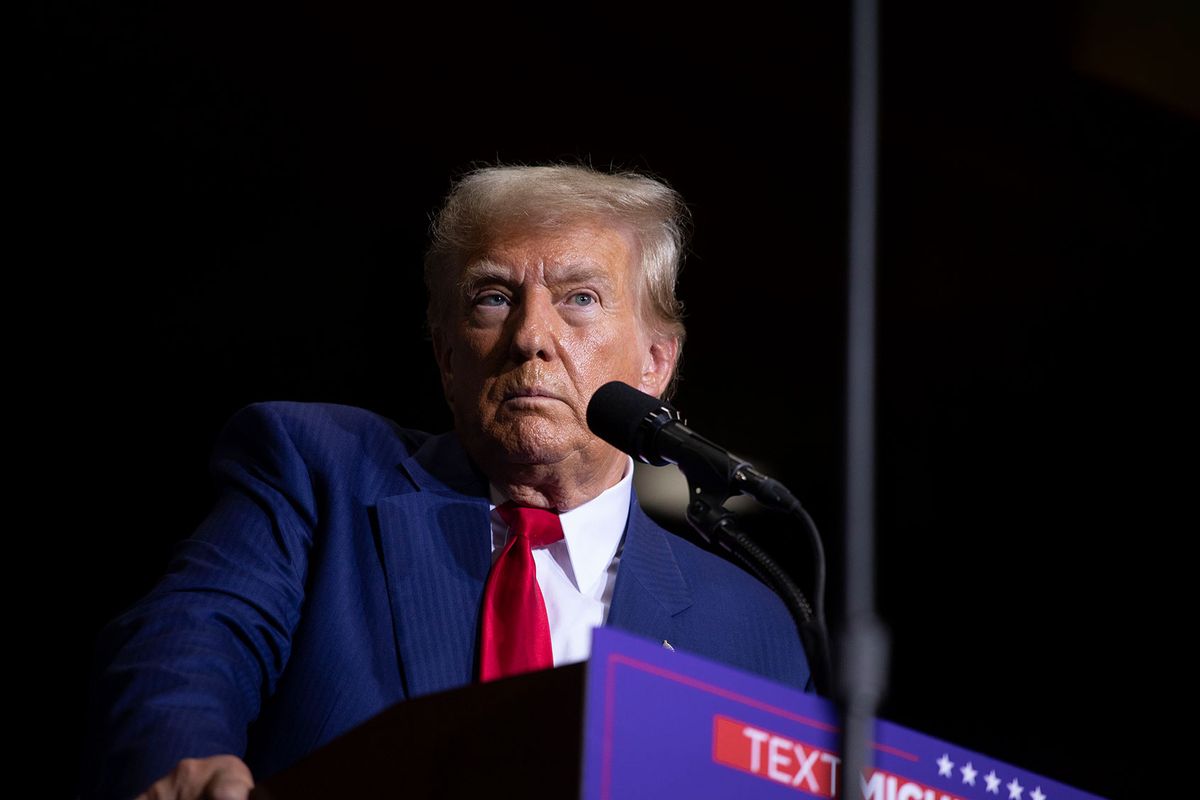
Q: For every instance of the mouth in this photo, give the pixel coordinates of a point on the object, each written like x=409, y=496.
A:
x=533, y=394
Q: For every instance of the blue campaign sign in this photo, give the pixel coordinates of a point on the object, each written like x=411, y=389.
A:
x=660, y=723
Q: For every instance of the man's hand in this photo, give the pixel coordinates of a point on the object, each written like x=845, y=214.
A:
x=212, y=778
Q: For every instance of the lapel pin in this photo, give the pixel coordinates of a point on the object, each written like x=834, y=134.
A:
x=667, y=646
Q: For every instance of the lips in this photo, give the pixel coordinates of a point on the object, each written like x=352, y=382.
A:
x=531, y=391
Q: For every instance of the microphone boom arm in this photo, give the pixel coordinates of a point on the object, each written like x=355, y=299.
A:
x=708, y=516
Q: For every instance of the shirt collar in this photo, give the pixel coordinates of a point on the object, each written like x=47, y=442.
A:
x=593, y=531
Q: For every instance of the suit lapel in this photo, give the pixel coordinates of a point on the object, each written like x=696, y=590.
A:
x=436, y=550
x=650, y=588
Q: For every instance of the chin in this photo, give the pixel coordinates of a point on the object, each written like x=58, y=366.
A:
x=534, y=440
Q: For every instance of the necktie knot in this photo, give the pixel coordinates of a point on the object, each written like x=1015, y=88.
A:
x=539, y=526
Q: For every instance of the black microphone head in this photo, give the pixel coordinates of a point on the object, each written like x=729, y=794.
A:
x=619, y=414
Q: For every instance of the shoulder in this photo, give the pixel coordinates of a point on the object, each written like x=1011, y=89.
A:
x=325, y=437
x=329, y=423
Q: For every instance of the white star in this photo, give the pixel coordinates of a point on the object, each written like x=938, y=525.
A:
x=1036, y=794
x=1014, y=789
x=993, y=782
x=945, y=765
x=969, y=773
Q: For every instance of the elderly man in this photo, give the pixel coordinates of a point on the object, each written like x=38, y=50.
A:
x=350, y=563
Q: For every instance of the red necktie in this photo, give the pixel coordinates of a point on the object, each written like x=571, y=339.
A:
x=516, y=634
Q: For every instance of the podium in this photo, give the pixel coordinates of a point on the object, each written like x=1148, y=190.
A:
x=521, y=736
x=637, y=721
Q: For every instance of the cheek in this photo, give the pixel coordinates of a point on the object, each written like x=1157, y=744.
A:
x=488, y=345
x=614, y=353
x=472, y=355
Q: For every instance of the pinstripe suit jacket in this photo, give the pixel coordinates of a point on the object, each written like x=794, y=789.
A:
x=342, y=571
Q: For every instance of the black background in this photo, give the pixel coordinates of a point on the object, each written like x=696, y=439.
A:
x=229, y=204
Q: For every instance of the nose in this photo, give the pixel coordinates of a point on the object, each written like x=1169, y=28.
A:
x=533, y=327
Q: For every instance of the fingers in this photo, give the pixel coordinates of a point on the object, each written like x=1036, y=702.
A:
x=223, y=777
x=230, y=785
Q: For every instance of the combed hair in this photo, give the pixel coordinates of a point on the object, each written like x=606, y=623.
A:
x=494, y=199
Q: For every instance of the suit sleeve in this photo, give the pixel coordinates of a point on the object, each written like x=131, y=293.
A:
x=185, y=671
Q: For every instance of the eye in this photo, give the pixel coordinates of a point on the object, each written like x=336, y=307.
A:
x=491, y=299
x=582, y=299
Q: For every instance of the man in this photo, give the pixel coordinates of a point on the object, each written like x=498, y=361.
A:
x=348, y=565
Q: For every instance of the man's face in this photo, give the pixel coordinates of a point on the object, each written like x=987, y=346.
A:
x=545, y=319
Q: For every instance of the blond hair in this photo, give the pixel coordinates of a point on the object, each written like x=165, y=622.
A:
x=488, y=200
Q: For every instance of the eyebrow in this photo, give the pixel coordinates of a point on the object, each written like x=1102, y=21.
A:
x=483, y=271
x=487, y=271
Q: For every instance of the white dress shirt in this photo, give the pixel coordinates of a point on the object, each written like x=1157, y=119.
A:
x=577, y=575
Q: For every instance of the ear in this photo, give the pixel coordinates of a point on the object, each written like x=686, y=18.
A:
x=659, y=364
x=443, y=354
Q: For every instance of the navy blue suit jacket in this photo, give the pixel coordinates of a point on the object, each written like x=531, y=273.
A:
x=342, y=571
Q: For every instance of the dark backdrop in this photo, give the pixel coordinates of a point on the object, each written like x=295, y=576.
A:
x=229, y=204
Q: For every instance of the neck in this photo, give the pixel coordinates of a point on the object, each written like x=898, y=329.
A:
x=561, y=486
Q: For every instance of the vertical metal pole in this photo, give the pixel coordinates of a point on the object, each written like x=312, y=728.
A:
x=863, y=661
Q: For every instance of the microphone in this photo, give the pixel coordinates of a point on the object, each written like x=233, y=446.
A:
x=651, y=431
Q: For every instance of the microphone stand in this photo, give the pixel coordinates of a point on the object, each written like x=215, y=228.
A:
x=707, y=514
x=863, y=644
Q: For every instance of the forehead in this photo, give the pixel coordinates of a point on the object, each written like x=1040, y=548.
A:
x=580, y=245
